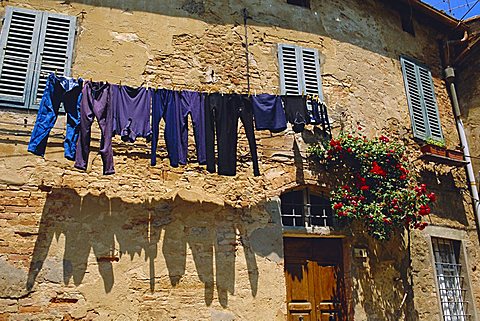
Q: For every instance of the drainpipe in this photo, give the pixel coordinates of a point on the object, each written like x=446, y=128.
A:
x=450, y=78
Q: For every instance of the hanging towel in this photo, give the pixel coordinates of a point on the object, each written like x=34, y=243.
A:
x=269, y=113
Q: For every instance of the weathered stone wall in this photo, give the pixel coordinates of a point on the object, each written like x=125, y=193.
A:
x=468, y=87
x=158, y=243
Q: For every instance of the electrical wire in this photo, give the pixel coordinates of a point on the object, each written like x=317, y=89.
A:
x=468, y=11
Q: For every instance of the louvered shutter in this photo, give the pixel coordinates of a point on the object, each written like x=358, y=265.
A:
x=18, y=41
x=312, y=81
x=299, y=71
x=430, y=103
x=55, y=50
x=290, y=70
x=421, y=100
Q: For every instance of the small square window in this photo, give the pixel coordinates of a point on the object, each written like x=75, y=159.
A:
x=300, y=3
x=407, y=24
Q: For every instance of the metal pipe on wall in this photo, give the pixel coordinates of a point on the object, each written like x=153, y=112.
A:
x=450, y=78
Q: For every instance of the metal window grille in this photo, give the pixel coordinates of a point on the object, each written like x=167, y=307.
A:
x=451, y=283
x=304, y=209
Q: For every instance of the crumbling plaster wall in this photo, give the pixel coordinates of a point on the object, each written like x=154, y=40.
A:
x=154, y=243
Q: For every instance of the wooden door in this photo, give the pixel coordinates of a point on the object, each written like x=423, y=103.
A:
x=314, y=277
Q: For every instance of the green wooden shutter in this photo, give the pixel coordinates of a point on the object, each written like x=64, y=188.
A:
x=430, y=103
x=18, y=41
x=290, y=70
x=421, y=100
x=300, y=72
x=55, y=50
x=311, y=78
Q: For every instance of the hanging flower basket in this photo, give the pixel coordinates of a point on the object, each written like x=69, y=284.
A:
x=374, y=184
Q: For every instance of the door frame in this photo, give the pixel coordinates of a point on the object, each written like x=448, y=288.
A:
x=346, y=244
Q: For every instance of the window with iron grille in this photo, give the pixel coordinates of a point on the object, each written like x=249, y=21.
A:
x=34, y=44
x=304, y=208
x=451, y=283
x=300, y=75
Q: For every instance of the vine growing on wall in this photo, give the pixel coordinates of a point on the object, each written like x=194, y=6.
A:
x=374, y=184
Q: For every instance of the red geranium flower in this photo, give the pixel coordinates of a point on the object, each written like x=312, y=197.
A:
x=432, y=197
x=338, y=206
x=365, y=188
x=376, y=169
x=387, y=221
x=424, y=210
x=384, y=139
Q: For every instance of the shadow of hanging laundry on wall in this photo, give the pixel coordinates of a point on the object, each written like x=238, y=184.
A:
x=99, y=231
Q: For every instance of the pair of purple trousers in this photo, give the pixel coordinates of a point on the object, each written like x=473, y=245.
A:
x=96, y=103
x=193, y=103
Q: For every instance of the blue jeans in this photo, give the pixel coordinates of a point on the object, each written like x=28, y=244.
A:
x=58, y=90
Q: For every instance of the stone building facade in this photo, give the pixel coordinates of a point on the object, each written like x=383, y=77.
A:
x=163, y=243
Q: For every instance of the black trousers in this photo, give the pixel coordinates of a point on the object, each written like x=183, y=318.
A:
x=221, y=121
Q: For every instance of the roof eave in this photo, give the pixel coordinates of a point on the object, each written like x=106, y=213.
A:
x=435, y=14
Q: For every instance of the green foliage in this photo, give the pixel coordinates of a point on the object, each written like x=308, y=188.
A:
x=435, y=142
x=374, y=184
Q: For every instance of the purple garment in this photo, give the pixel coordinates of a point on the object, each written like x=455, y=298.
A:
x=163, y=106
x=193, y=103
x=269, y=113
x=131, y=112
x=96, y=103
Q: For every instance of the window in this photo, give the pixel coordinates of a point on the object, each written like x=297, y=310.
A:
x=300, y=74
x=34, y=44
x=303, y=208
x=451, y=283
x=301, y=3
x=421, y=100
x=407, y=23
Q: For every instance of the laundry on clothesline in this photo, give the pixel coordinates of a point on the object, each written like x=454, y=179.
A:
x=137, y=112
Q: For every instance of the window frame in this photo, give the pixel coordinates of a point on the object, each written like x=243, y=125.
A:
x=456, y=253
